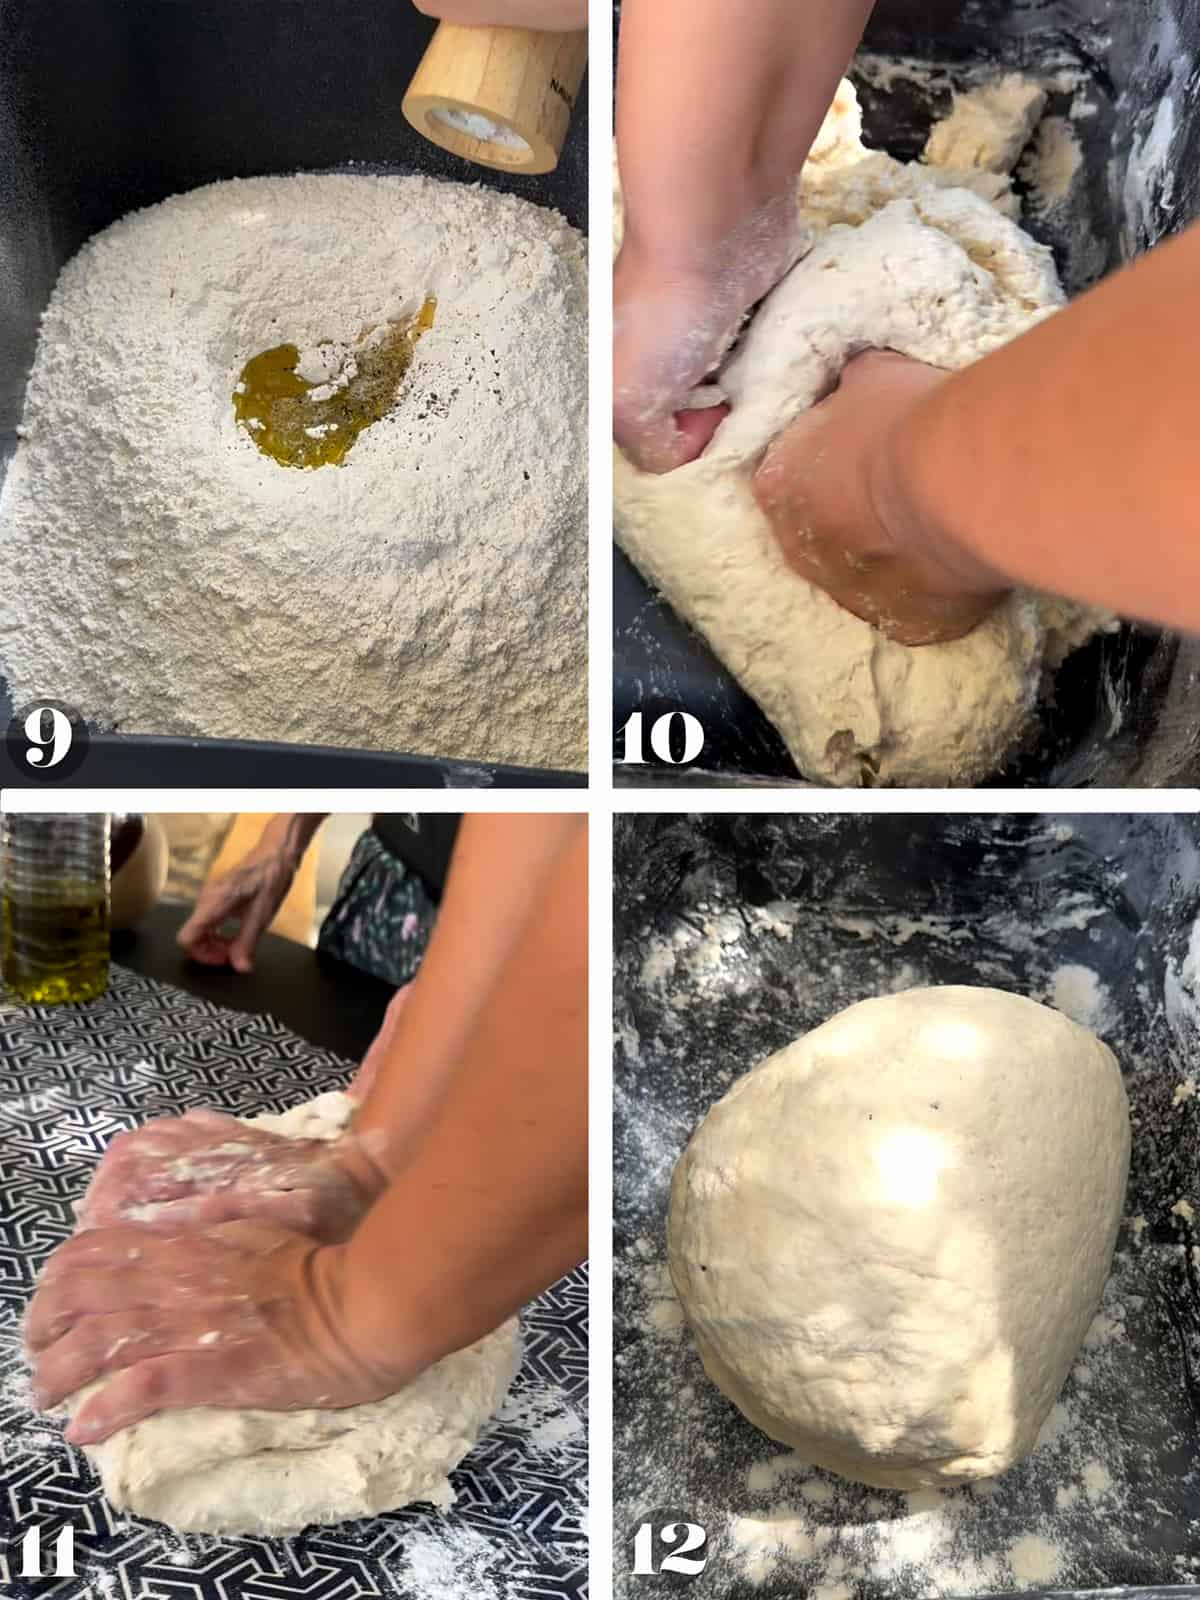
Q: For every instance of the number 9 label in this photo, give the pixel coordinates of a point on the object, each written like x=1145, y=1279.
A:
x=46, y=741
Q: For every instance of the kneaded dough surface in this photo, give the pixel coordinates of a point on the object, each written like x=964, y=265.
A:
x=212, y=1470
x=903, y=258
x=890, y=1237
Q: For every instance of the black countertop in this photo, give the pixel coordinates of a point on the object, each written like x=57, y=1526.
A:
x=327, y=1002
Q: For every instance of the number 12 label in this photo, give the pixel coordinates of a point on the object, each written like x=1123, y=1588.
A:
x=680, y=1547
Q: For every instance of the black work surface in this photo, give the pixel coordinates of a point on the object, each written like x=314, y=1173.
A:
x=147, y=761
x=329, y=1003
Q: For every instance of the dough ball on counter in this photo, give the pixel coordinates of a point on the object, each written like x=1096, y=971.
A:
x=890, y=1237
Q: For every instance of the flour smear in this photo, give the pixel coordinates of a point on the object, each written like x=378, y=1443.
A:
x=428, y=595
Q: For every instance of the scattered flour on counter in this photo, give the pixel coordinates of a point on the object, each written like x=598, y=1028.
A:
x=1181, y=989
x=551, y=1426
x=427, y=595
x=452, y=1563
x=883, y=73
x=1148, y=189
x=1034, y=1561
x=1079, y=994
x=1184, y=1091
x=659, y=964
x=1097, y=1480
x=702, y=948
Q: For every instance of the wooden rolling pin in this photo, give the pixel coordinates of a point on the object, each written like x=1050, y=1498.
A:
x=502, y=97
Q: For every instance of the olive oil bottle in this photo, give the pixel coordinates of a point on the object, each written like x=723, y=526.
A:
x=54, y=907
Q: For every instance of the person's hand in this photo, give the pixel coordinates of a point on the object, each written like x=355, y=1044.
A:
x=546, y=16
x=826, y=486
x=205, y=1168
x=675, y=317
x=243, y=1315
x=251, y=894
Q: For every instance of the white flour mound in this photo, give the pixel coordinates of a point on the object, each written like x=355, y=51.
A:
x=910, y=258
x=428, y=595
x=211, y=1470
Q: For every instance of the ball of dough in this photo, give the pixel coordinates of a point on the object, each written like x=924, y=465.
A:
x=890, y=1237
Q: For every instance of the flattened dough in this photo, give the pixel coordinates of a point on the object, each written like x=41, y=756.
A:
x=206, y=1470
x=902, y=259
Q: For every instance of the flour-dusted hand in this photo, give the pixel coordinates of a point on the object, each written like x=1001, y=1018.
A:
x=827, y=489
x=714, y=124
x=205, y=1168
x=674, y=319
x=243, y=1315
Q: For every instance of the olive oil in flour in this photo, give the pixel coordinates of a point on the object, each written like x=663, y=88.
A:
x=299, y=423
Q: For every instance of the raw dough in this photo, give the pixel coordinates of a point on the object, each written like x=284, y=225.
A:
x=903, y=262
x=988, y=127
x=890, y=1237
x=206, y=1470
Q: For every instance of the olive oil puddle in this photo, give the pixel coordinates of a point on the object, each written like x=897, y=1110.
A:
x=302, y=424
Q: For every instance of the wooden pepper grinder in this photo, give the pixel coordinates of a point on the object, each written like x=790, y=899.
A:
x=502, y=97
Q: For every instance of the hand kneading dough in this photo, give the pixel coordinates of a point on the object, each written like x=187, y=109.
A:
x=890, y=1237
x=206, y=1470
x=901, y=262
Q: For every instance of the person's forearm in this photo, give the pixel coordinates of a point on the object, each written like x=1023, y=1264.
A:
x=1067, y=460
x=498, y=876
x=493, y=1207
x=291, y=832
x=717, y=109
x=550, y=16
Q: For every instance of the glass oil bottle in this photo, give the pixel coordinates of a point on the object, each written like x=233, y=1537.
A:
x=54, y=907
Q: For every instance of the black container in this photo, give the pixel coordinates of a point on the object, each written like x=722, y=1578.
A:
x=737, y=934
x=108, y=105
x=1125, y=709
